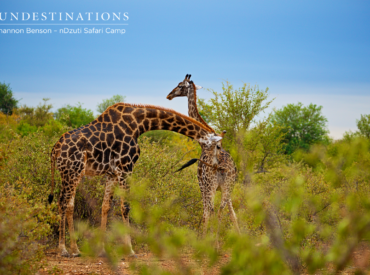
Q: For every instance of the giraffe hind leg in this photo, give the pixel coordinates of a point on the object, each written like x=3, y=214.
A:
x=125, y=209
x=219, y=216
x=62, y=223
x=108, y=195
x=233, y=216
x=76, y=170
x=79, y=167
x=69, y=217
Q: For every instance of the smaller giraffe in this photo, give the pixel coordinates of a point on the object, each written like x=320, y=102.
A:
x=210, y=179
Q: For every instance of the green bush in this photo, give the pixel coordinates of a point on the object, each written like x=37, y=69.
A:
x=74, y=116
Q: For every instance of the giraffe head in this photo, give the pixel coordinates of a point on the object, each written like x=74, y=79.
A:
x=212, y=142
x=183, y=88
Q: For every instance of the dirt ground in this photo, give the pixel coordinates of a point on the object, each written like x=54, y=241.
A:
x=56, y=264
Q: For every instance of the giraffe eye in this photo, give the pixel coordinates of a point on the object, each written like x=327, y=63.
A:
x=218, y=147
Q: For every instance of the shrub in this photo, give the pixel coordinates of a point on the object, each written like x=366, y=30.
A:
x=74, y=116
x=38, y=116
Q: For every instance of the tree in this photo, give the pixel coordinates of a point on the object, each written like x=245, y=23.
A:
x=74, y=116
x=363, y=125
x=303, y=126
x=7, y=101
x=234, y=110
x=109, y=102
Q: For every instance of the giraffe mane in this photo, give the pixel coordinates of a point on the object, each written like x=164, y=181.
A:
x=149, y=106
x=196, y=109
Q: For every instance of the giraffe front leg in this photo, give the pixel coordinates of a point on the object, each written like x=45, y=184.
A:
x=208, y=209
x=125, y=209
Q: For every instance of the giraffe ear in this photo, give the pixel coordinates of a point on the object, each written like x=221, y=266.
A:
x=198, y=87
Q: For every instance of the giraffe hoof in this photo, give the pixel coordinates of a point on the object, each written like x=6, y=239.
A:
x=131, y=255
x=65, y=254
x=78, y=254
x=102, y=254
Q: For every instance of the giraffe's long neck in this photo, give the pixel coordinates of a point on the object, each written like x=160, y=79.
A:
x=136, y=119
x=193, y=107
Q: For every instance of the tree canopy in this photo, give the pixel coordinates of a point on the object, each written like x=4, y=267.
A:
x=303, y=125
x=234, y=109
x=7, y=101
x=101, y=107
x=363, y=125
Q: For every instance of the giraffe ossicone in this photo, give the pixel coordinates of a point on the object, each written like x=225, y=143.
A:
x=109, y=146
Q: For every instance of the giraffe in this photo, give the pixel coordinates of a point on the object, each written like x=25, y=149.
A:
x=109, y=146
x=209, y=179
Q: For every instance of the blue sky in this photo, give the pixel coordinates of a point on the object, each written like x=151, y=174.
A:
x=309, y=51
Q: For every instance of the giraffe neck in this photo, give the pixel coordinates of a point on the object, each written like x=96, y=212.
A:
x=135, y=120
x=193, y=108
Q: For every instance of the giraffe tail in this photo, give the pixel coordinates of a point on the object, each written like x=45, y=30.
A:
x=189, y=163
x=52, y=157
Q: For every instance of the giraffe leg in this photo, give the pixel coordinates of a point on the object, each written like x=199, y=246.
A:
x=125, y=209
x=69, y=217
x=79, y=173
x=224, y=201
x=208, y=208
x=108, y=195
x=233, y=216
x=62, y=224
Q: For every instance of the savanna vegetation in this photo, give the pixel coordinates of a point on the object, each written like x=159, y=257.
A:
x=302, y=199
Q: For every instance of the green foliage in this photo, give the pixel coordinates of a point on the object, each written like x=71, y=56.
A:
x=24, y=129
x=363, y=125
x=304, y=214
x=178, y=193
x=25, y=216
x=7, y=101
x=259, y=149
x=74, y=116
x=234, y=110
x=21, y=226
x=160, y=136
x=109, y=102
x=304, y=126
x=54, y=128
x=38, y=116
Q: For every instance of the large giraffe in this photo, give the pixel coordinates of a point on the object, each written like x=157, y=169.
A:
x=108, y=145
x=209, y=179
